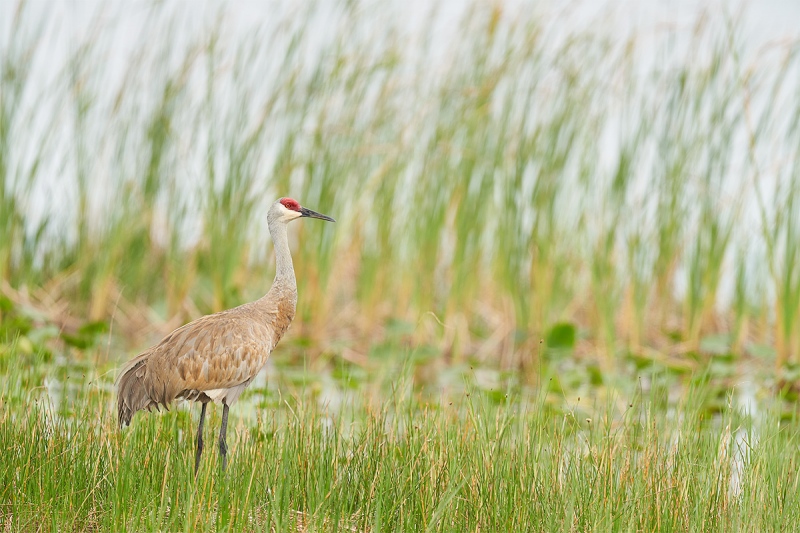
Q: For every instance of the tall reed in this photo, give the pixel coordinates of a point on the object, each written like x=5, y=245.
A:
x=510, y=176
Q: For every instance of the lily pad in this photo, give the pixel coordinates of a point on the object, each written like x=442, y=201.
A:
x=562, y=336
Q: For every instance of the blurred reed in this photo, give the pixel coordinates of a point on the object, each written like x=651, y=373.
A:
x=502, y=178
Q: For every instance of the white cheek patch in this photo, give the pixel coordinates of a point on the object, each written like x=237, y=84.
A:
x=289, y=215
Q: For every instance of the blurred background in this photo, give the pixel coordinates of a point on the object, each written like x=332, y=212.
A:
x=542, y=194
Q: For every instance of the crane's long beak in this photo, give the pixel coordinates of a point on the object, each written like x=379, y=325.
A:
x=313, y=214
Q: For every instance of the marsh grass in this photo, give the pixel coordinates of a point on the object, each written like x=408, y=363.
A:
x=399, y=460
x=502, y=179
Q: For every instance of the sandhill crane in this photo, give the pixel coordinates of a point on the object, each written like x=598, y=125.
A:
x=216, y=356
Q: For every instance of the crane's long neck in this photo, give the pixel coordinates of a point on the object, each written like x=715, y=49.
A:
x=277, y=307
x=284, y=269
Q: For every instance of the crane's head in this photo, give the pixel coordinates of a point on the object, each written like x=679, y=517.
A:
x=287, y=209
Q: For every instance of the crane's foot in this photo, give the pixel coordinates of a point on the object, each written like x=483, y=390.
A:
x=199, y=450
x=223, y=445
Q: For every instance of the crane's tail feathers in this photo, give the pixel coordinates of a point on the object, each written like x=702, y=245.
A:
x=132, y=391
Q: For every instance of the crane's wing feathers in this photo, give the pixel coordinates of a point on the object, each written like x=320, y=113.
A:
x=214, y=352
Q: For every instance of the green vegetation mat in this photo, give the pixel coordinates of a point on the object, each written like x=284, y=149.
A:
x=388, y=456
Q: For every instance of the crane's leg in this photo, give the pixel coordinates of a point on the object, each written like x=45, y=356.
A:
x=223, y=446
x=199, y=451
